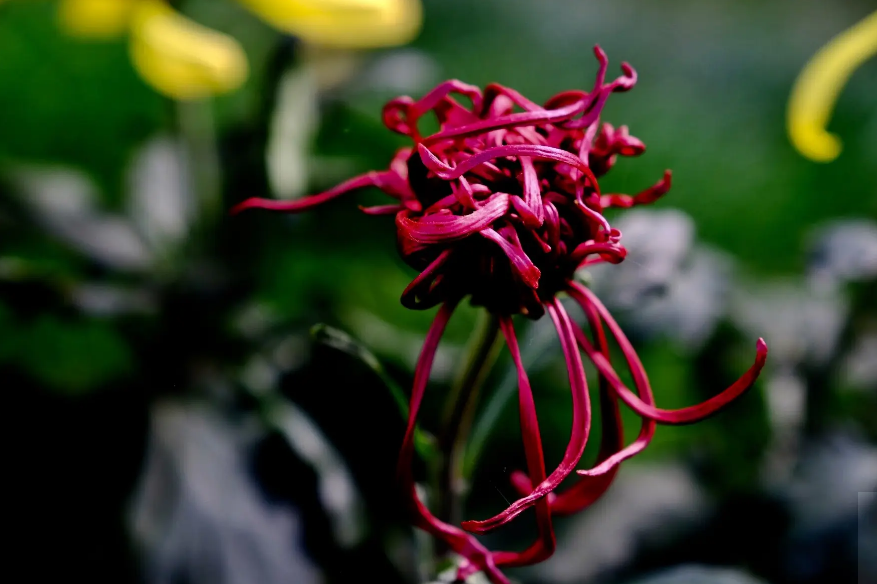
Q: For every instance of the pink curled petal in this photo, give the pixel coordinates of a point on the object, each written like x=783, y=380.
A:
x=392, y=115
x=532, y=192
x=381, y=209
x=650, y=195
x=386, y=181
x=603, y=60
x=464, y=544
x=521, y=263
x=565, y=99
x=611, y=253
x=509, y=121
x=525, y=213
x=441, y=91
x=656, y=191
x=414, y=110
x=443, y=203
x=522, y=485
x=593, y=216
x=588, y=489
x=626, y=81
x=587, y=143
x=544, y=546
x=448, y=227
x=707, y=408
x=581, y=425
x=681, y=416
x=415, y=289
x=448, y=172
x=491, y=90
x=625, y=144
x=592, y=306
x=605, y=369
x=463, y=192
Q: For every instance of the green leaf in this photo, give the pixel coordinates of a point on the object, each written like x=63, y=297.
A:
x=424, y=443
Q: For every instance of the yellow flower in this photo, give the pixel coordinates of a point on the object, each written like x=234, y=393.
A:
x=95, y=18
x=185, y=60
x=181, y=58
x=178, y=57
x=819, y=85
x=343, y=23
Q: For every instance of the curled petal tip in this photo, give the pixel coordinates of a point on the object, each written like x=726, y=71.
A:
x=820, y=83
x=761, y=347
x=814, y=142
x=244, y=205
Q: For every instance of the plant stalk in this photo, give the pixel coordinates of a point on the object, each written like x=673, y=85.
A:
x=482, y=352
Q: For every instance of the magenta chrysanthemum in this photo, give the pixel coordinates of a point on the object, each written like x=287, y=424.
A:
x=502, y=204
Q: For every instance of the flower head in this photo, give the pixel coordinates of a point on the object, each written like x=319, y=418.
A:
x=503, y=204
x=819, y=85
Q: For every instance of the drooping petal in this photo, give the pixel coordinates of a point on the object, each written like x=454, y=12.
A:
x=684, y=415
x=381, y=180
x=588, y=489
x=181, y=58
x=544, y=546
x=95, y=19
x=581, y=426
x=349, y=24
x=607, y=372
x=459, y=541
x=818, y=86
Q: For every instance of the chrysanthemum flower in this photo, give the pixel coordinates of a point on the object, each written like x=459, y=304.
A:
x=185, y=60
x=819, y=85
x=503, y=205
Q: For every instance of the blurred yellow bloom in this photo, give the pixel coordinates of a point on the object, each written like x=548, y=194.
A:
x=343, y=23
x=185, y=60
x=819, y=85
x=95, y=18
x=181, y=58
x=178, y=57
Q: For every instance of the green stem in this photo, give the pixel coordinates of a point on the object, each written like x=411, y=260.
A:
x=482, y=353
x=535, y=346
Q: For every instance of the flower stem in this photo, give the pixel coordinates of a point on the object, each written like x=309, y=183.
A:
x=483, y=350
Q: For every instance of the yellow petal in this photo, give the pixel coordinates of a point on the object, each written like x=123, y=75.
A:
x=819, y=85
x=346, y=24
x=181, y=58
x=99, y=19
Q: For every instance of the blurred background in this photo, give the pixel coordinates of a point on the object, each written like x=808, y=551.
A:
x=172, y=415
